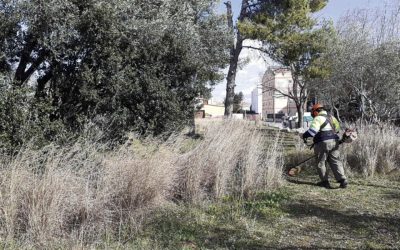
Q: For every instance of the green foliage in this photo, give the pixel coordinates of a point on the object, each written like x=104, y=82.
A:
x=316, y=5
x=292, y=36
x=122, y=64
x=268, y=199
x=294, y=39
x=264, y=205
x=237, y=102
x=25, y=119
x=13, y=113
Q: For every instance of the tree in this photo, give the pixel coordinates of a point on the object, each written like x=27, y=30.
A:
x=121, y=64
x=236, y=48
x=363, y=80
x=249, y=8
x=292, y=38
x=271, y=21
x=237, y=102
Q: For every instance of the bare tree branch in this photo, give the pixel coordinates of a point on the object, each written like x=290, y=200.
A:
x=255, y=48
x=279, y=91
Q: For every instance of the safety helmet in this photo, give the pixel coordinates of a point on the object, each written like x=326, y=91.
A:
x=316, y=109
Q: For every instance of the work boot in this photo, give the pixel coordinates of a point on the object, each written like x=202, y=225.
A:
x=343, y=183
x=324, y=184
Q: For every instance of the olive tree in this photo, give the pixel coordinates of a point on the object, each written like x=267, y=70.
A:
x=121, y=64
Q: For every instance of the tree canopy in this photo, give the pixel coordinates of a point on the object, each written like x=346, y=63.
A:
x=363, y=62
x=292, y=38
x=121, y=64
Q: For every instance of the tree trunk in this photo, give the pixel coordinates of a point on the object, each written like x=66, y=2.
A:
x=300, y=95
x=236, y=48
x=231, y=78
x=297, y=97
x=41, y=84
x=300, y=121
x=192, y=131
x=25, y=59
x=362, y=99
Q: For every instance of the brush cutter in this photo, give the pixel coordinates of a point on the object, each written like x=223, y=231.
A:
x=349, y=136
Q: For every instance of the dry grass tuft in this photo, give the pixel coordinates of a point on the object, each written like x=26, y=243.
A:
x=234, y=158
x=84, y=193
x=79, y=192
x=377, y=149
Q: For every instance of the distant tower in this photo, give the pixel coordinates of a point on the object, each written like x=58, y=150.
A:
x=256, y=100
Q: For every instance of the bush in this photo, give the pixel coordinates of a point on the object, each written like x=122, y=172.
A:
x=24, y=119
x=124, y=65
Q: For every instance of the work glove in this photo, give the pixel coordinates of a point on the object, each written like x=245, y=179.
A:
x=301, y=137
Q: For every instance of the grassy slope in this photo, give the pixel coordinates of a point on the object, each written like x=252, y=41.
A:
x=299, y=215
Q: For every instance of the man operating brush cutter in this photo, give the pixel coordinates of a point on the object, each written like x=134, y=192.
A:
x=324, y=129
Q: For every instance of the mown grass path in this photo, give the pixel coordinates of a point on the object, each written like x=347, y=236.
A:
x=365, y=215
x=298, y=215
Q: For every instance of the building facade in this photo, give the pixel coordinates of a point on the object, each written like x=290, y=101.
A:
x=275, y=105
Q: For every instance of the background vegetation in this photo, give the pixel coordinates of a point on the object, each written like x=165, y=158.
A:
x=362, y=68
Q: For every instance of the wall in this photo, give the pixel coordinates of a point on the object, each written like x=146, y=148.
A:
x=213, y=110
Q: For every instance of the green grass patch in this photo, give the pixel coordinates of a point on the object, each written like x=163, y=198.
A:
x=230, y=223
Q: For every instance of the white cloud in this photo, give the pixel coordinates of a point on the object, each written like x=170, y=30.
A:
x=248, y=77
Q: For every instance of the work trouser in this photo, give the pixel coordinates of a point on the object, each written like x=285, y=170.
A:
x=328, y=151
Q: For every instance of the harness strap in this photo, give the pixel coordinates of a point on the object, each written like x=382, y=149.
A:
x=327, y=121
x=326, y=135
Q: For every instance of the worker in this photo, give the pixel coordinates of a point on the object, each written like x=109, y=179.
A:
x=324, y=129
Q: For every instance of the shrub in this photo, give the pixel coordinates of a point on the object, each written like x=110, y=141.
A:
x=25, y=119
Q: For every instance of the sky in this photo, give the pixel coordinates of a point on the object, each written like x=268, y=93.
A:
x=249, y=76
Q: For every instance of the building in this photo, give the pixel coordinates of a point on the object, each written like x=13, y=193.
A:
x=209, y=109
x=256, y=101
x=275, y=105
x=213, y=111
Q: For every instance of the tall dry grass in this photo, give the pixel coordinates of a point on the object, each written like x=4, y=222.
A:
x=84, y=193
x=377, y=149
x=233, y=159
x=79, y=192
